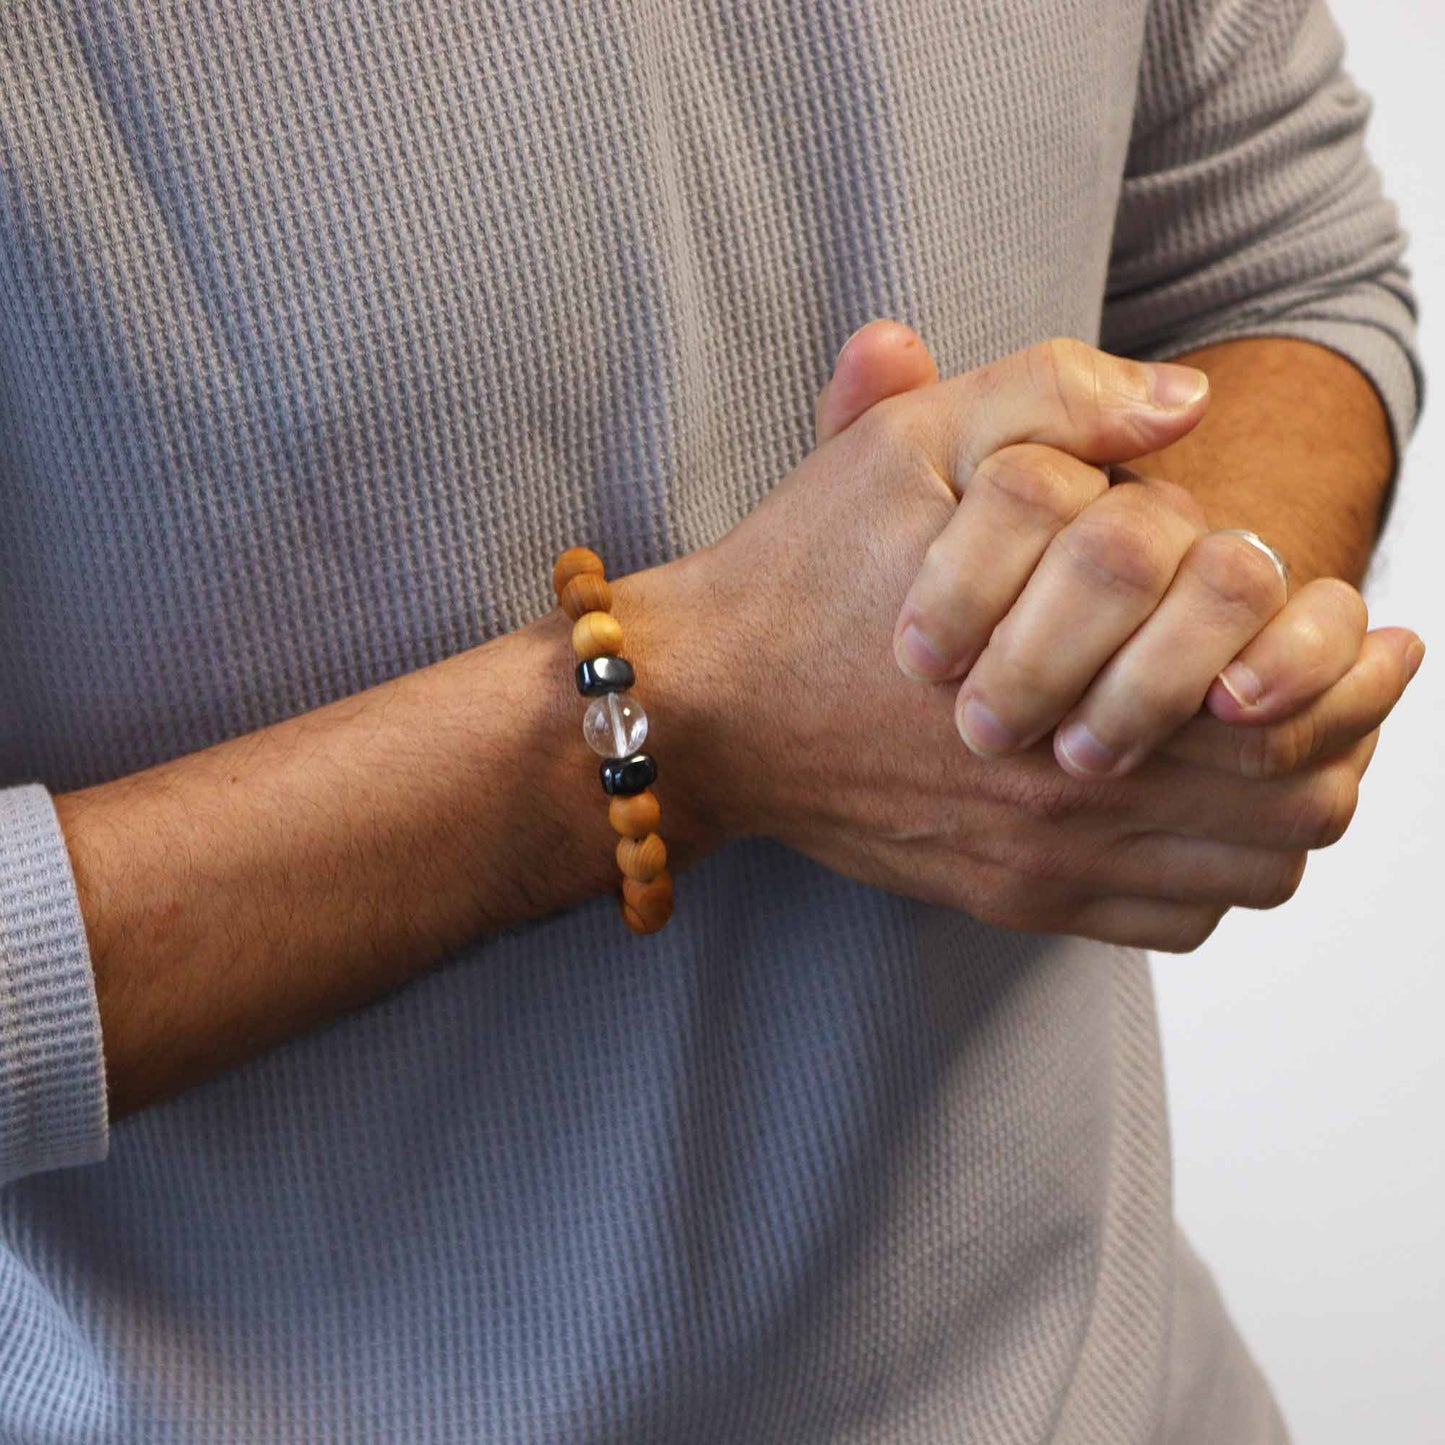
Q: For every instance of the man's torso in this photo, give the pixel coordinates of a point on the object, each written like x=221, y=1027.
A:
x=322, y=329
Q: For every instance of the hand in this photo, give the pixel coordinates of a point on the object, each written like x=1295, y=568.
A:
x=1272, y=740
x=1310, y=686
x=1105, y=614
x=1064, y=602
x=803, y=732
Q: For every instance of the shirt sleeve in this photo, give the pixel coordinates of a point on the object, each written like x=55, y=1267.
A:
x=1249, y=204
x=52, y=1071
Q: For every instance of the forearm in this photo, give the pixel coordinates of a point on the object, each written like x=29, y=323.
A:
x=1295, y=446
x=236, y=897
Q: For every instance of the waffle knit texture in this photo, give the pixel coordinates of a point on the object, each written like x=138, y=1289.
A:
x=322, y=329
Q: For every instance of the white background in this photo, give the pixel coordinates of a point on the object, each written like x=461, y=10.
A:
x=1305, y=1047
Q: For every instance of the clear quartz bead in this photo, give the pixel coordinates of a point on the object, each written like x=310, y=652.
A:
x=614, y=725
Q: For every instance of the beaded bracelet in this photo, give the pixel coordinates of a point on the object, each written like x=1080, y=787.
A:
x=615, y=726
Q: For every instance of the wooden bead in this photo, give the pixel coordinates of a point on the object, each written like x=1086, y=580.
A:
x=642, y=858
x=575, y=562
x=637, y=923
x=586, y=592
x=651, y=901
x=640, y=894
x=595, y=633
x=635, y=816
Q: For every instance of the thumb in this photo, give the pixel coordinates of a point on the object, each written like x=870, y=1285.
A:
x=1066, y=394
x=878, y=360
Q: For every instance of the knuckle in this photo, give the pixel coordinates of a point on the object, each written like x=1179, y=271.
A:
x=1063, y=357
x=1309, y=648
x=1069, y=351
x=936, y=570
x=1237, y=576
x=1261, y=754
x=1032, y=479
x=1188, y=932
x=1179, y=500
x=1047, y=798
x=1063, y=367
x=1363, y=752
x=935, y=609
x=1278, y=880
x=1048, y=860
x=1013, y=674
x=1347, y=800
x=1159, y=707
x=887, y=428
x=1279, y=748
x=1325, y=810
x=1121, y=548
x=1346, y=601
x=1004, y=901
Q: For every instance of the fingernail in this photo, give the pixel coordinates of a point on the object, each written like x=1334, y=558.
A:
x=1242, y=684
x=1174, y=387
x=1084, y=750
x=918, y=657
x=982, y=731
x=1414, y=656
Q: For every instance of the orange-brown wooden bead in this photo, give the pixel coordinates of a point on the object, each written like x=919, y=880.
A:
x=643, y=923
x=642, y=858
x=575, y=562
x=595, y=633
x=636, y=922
x=586, y=592
x=650, y=901
x=635, y=816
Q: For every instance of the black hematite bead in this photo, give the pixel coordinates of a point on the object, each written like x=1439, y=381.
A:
x=628, y=775
x=603, y=674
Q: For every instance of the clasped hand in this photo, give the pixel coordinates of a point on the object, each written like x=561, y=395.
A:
x=1071, y=631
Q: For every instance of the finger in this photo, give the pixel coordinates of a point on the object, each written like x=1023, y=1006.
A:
x=1014, y=505
x=1097, y=581
x=1223, y=594
x=1305, y=810
x=1364, y=751
x=1306, y=649
x=1066, y=394
x=1335, y=721
x=1198, y=870
x=877, y=361
x=1145, y=923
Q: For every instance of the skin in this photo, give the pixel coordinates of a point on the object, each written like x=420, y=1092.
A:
x=241, y=895
x=1155, y=600
x=1312, y=668
x=1154, y=857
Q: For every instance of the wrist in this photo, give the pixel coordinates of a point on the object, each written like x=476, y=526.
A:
x=674, y=620
x=1296, y=446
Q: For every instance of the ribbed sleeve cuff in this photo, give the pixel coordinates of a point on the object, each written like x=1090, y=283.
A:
x=52, y=1069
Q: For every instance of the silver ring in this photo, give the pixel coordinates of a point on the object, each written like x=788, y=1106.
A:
x=1255, y=540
